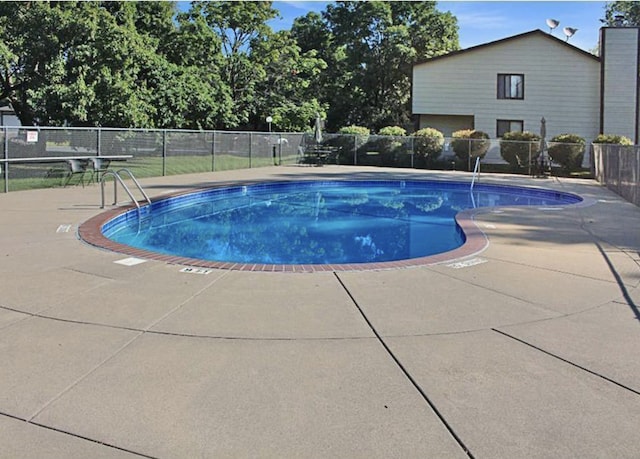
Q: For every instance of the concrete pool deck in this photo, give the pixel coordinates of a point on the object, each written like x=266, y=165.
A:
x=527, y=349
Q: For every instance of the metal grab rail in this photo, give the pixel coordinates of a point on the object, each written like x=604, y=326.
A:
x=476, y=172
x=117, y=178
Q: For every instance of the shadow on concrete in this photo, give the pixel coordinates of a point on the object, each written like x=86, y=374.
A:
x=618, y=278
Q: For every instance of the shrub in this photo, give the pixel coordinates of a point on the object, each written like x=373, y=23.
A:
x=568, y=151
x=355, y=130
x=613, y=139
x=427, y=146
x=351, y=139
x=395, y=131
x=518, y=148
x=470, y=143
x=388, y=146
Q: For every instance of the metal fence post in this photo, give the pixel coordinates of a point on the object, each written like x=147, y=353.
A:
x=6, y=156
x=413, y=152
x=99, y=138
x=636, y=178
x=213, y=151
x=618, y=182
x=250, y=148
x=164, y=152
x=355, y=150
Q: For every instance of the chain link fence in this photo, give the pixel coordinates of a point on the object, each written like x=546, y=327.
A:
x=167, y=152
x=618, y=168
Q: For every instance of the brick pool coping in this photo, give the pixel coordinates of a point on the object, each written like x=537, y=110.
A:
x=91, y=232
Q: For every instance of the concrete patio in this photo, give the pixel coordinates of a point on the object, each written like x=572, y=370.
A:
x=528, y=350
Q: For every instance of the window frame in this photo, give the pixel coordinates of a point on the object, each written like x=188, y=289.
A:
x=504, y=86
x=498, y=121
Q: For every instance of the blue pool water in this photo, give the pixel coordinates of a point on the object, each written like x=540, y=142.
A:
x=316, y=222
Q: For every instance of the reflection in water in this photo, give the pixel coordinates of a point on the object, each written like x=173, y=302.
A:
x=329, y=223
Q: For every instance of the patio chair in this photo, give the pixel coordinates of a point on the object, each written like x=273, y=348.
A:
x=77, y=168
x=100, y=166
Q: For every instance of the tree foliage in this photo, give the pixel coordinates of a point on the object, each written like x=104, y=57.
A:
x=214, y=64
x=370, y=49
x=628, y=12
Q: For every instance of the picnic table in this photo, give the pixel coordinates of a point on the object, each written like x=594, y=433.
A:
x=317, y=154
x=77, y=163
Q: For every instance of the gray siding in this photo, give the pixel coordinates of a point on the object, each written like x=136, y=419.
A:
x=620, y=82
x=561, y=84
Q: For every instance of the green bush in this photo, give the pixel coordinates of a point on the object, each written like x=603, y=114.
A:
x=355, y=130
x=568, y=151
x=470, y=143
x=518, y=148
x=427, y=146
x=389, y=147
x=395, y=131
x=352, y=138
x=613, y=139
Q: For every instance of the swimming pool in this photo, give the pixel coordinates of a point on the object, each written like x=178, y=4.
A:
x=314, y=222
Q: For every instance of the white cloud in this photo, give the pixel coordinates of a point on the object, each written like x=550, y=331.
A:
x=481, y=20
x=304, y=6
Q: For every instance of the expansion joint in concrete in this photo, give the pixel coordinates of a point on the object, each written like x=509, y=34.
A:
x=556, y=356
x=404, y=370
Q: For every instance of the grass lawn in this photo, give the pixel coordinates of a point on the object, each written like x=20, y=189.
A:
x=31, y=176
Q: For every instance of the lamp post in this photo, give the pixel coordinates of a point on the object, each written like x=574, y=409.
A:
x=269, y=121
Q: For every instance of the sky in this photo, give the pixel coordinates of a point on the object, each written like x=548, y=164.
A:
x=482, y=22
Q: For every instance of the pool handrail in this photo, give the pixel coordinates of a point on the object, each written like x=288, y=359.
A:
x=117, y=178
x=476, y=172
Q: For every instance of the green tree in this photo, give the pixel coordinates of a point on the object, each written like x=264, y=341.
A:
x=370, y=48
x=238, y=25
x=198, y=98
x=30, y=53
x=629, y=13
x=312, y=34
x=125, y=64
x=86, y=68
x=286, y=93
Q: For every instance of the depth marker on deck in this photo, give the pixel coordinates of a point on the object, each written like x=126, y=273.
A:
x=195, y=270
x=63, y=229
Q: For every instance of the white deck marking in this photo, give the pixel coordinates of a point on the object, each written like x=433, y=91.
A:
x=131, y=261
x=63, y=229
x=467, y=263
